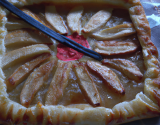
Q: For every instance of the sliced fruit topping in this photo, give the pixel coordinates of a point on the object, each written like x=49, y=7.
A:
x=24, y=53
x=35, y=81
x=87, y=85
x=125, y=66
x=43, y=19
x=33, y=15
x=27, y=36
x=108, y=76
x=15, y=24
x=55, y=20
x=115, y=32
x=74, y=19
x=58, y=83
x=23, y=71
x=115, y=47
x=97, y=20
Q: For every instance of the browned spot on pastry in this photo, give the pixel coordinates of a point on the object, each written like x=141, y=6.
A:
x=144, y=27
x=73, y=120
x=29, y=117
x=9, y=115
x=120, y=118
x=157, y=96
x=138, y=15
x=19, y=113
x=111, y=118
x=58, y=120
x=152, y=112
x=25, y=118
x=17, y=120
x=131, y=117
x=157, y=82
x=3, y=109
x=49, y=121
x=39, y=113
x=2, y=16
x=147, y=43
x=151, y=60
x=154, y=50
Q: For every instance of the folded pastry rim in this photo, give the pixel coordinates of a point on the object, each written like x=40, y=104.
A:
x=145, y=105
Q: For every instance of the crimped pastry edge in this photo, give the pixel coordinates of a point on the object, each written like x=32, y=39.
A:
x=143, y=106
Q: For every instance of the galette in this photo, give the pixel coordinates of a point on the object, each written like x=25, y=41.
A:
x=45, y=82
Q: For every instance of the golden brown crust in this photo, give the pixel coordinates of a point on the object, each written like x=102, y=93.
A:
x=150, y=53
x=138, y=108
x=141, y=24
x=143, y=106
x=117, y=3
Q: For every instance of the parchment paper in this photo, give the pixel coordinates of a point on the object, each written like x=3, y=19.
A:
x=152, y=10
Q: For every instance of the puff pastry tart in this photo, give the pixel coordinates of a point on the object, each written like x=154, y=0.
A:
x=45, y=82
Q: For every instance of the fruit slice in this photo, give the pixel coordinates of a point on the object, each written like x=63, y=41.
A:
x=58, y=83
x=33, y=15
x=15, y=24
x=97, y=20
x=87, y=85
x=108, y=76
x=43, y=19
x=115, y=47
x=26, y=37
x=55, y=20
x=73, y=19
x=14, y=56
x=125, y=66
x=35, y=82
x=115, y=32
x=23, y=71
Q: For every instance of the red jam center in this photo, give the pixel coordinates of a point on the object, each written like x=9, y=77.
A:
x=67, y=54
